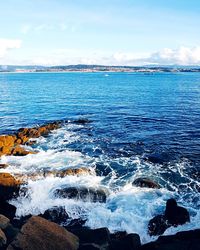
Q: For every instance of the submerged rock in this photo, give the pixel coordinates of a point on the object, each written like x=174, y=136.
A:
x=174, y=216
x=145, y=182
x=82, y=193
x=39, y=233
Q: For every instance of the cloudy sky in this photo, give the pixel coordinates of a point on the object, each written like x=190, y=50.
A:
x=112, y=32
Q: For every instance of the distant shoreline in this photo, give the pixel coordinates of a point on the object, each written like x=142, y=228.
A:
x=97, y=68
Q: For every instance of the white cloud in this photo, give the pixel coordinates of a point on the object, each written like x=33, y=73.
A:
x=8, y=44
x=166, y=56
x=25, y=28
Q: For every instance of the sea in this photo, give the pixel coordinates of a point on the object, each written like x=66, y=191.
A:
x=139, y=125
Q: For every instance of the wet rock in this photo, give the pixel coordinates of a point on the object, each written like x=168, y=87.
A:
x=90, y=246
x=82, y=193
x=145, y=182
x=69, y=171
x=56, y=214
x=7, y=140
x=128, y=242
x=9, y=186
x=4, y=221
x=100, y=236
x=20, y=151
x=3, y=239
x=10, y=232
x=39, y=233
x=189, y=240
x=82, y=121
x=7, y=209
x=3, y=165
x=174, y=216
x=158, y=225
x=10, y=144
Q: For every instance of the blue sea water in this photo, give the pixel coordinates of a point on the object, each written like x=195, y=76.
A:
x=141, y=125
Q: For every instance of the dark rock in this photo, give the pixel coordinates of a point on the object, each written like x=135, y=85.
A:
x=56, y=214
x=3, y=165
x=82, y=121
x=10, y=232
x=7, y=209
x=82, y=193
x=3, y=239
x=90, y=246
x=4, y=221
x=128, y=242
x=157, y=225
x=145, y=182
x=39, y=233
x=19, y=222
x=175, y=214
x=75, y=224
x=99, y=236
x=189, y=240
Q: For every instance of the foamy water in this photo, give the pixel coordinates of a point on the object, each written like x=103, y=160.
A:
x=127, y=207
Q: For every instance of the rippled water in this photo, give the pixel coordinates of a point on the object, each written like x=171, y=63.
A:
x=141, y=125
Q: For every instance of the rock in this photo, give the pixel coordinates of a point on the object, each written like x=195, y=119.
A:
x=4, y=221
x=145, y=182
x=100, y=236
x=3, y=239
x=157, y=225
x=3, y=165
x=82, y=121
x=82, y=193
x=10, y=144
x=7, y=209
x=90, y=246
x=69, y=171
x=56, y=214
x=175, y=214
x=128, y=242
x=189, y=240
x=9, y=186
x=10, y=232
x=20, y=151
x=39, y=233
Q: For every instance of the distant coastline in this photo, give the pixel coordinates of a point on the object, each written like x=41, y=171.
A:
x=96, y=68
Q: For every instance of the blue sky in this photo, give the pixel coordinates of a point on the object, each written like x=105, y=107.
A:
x=128, y=32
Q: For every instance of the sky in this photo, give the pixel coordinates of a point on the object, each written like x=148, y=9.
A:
x=108, y=32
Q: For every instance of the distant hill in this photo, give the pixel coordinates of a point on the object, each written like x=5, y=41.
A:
x=97, y=68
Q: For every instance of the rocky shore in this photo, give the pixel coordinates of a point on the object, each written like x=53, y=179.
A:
x=44, y=231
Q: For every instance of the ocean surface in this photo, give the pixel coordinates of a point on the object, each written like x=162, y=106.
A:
x=141, y=125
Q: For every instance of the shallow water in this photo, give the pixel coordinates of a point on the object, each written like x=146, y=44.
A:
x=141, y=125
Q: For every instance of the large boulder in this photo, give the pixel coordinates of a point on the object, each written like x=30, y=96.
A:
x=127, y=241
x=174, y=215
x=145, y=182
x=39, y=233
x=82, y=193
